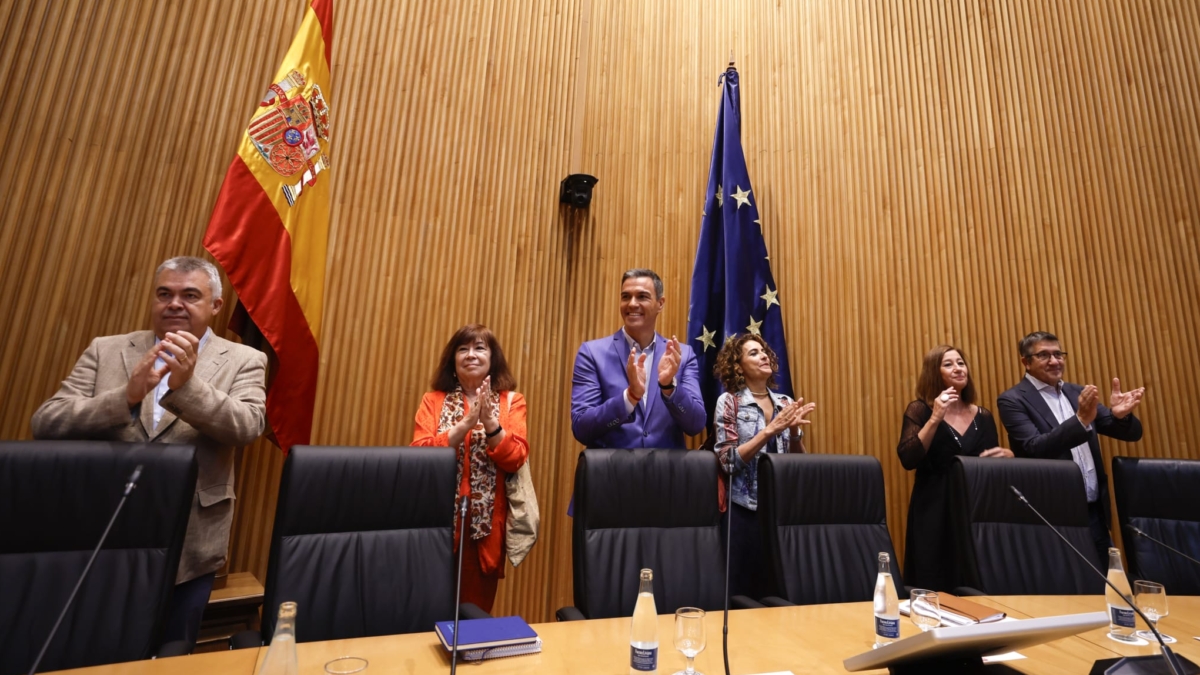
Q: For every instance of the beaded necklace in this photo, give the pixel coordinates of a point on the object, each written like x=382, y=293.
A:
x=954, y=432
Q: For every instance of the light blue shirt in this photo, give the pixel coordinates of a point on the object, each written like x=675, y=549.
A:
x=1063, y=412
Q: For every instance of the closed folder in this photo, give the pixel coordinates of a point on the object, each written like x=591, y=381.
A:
x=501, y=631
x=971, y=610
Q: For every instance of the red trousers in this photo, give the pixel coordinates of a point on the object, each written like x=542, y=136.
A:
x=476, y=587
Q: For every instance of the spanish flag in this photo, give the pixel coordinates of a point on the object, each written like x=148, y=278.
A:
x=270, y=226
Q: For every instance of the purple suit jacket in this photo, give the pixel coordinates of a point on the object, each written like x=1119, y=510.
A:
x=598, y=417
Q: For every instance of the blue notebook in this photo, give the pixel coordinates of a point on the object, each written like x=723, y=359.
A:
x=500, y=631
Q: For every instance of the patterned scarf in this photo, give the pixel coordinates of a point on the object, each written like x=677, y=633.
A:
x=483, y=469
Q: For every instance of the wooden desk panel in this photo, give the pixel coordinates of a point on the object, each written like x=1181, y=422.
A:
x=1182, y=623
x=241, y=662
x=812, y=639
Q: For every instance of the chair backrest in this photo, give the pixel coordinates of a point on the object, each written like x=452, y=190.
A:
x=653, y=509
x=1160, y=497
x=1003, y=548
x=56, y=498
x=363, y=541
x=824, y=520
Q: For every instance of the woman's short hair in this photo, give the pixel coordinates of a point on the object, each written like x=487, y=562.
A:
x=445, y=378
x=726, y=367
x=930, y=384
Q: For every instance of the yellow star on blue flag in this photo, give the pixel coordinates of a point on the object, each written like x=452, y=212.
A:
x=731, y=279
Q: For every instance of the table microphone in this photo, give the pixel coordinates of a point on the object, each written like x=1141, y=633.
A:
x=1172, y=550
x=728, y=539
x=129, y=486
x=1175, y=664
x=462, y=544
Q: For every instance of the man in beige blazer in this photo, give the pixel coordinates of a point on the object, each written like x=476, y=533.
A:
x=177, y=383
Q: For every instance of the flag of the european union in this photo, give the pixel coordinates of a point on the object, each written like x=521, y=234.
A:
x=733, y=291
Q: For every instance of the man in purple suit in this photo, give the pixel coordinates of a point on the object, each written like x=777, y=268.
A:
x=635, y=388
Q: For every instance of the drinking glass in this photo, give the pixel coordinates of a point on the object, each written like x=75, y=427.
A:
x=1151, y=598
x=346, y=665
x=689, y=635
x=924, y=609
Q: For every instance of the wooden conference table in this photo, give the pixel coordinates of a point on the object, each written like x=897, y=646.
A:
x=810, y=639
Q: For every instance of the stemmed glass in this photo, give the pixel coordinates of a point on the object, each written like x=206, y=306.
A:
x=689, y=635
x=924, y=609
x=1151, y=598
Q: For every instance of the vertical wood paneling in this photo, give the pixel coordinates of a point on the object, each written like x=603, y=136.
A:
x=926, y=171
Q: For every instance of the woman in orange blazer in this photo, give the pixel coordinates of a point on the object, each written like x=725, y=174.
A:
x=473, y=408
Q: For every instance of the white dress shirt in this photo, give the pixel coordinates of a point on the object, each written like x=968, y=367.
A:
x=1063, y=412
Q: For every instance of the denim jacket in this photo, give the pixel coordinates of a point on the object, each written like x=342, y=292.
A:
x=737, y=419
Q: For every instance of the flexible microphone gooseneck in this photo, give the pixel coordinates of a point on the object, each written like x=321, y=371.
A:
x=728, y=539
x=462, y=544
x=1177, y=552
x=1173, y=661
x=129, y=486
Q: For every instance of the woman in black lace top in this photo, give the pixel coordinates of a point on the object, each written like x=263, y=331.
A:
x=942, y=423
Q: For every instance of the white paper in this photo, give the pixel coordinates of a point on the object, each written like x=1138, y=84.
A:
x=1007, y=656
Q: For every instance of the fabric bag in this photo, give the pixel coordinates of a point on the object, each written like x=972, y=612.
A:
x=521, y=526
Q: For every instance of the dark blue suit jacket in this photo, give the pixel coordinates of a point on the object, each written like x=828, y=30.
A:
x=598, y=417
x=1033, y=431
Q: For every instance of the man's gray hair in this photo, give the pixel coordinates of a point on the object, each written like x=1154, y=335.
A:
x=1027, y=343
x=187, y=264
x=642, y=273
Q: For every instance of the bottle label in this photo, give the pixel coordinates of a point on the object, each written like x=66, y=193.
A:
x=1121, y=617
x=643, y=659
x=887, y=628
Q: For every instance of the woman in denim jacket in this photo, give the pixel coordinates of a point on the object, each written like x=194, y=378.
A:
x=749, y=420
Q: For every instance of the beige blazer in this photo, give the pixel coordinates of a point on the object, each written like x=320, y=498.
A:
x=223, y=405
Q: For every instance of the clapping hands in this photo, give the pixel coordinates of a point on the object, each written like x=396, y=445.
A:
x=791, y=417
x=635, y=370
x=179, y=351
x=482, y=409
x=487, y=405
x=1122, y=404
x=1089, y=400
x=668, y=365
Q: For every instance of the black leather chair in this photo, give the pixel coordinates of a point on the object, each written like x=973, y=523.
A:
x=363, y=542
x=56, y=498
x=824, y=520
x=1160, y=497
x=1003, y=548
x=639, y=509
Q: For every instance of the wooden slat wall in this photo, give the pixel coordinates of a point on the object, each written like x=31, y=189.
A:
x=926, y=171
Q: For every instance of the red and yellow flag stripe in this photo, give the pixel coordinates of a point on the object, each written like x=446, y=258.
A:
x=270, y=226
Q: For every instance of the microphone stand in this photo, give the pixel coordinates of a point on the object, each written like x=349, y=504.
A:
x=1162, y=544
x=728, y=539
x=1175, y=664
x=129, y=486
x=462, y=544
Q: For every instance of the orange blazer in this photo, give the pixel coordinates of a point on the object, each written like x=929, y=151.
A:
x=509, y=455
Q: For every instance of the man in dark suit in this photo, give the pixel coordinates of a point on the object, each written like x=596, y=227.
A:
x=1048, y=418
x=635, y=388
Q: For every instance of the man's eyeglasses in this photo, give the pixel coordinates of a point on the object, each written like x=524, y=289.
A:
x=1046, y=356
